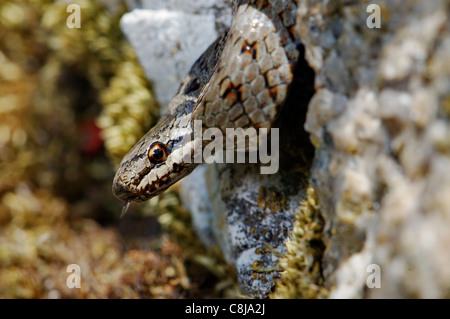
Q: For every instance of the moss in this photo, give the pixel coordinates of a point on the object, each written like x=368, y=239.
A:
x=129, y=110
x=176, y=220
x=301, y=275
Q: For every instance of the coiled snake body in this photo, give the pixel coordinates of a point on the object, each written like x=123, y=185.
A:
x=241, y=80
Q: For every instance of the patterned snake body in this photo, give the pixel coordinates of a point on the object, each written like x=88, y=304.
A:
x=241, y=80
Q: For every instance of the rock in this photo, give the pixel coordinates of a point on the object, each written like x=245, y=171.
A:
x=379, y=175
x=195, y=195
x=169, y=36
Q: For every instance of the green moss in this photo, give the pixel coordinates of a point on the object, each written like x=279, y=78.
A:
x=301, y=275
x=176, y=220
x=129, y=110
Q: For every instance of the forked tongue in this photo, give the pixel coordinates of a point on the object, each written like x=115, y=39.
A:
x=125, y=207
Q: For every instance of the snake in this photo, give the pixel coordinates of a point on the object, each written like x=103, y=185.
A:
x=240, y=81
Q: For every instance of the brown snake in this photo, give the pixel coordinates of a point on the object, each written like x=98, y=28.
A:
x=241, y=80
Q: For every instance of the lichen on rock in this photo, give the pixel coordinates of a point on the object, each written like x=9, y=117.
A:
x=372, y=121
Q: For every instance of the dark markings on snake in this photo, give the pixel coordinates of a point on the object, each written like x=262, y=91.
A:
x=246, y=47
x=172, y=143
x=139, y=156
x=274, y=93
x=144, y=172
x=194, y=85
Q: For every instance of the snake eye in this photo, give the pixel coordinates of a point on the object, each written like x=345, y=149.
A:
x=157, y=153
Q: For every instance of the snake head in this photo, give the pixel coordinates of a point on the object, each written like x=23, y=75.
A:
x=161, y=158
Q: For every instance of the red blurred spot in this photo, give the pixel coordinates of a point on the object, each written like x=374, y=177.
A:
x=90, y=137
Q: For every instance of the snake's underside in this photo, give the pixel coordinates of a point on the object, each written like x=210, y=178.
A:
x=241, y=80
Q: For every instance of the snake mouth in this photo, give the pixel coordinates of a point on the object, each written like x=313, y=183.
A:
x=120, y=192
x=126, y=194
x=123, y=192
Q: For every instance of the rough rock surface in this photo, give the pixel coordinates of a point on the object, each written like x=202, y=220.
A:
x=170, y=35
x=379, y=122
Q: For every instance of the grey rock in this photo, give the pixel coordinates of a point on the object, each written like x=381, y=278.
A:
x=169, y=36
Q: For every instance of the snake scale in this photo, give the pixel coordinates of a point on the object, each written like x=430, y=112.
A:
x=241, y=80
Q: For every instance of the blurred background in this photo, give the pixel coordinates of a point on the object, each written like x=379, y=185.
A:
x=72, y=102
